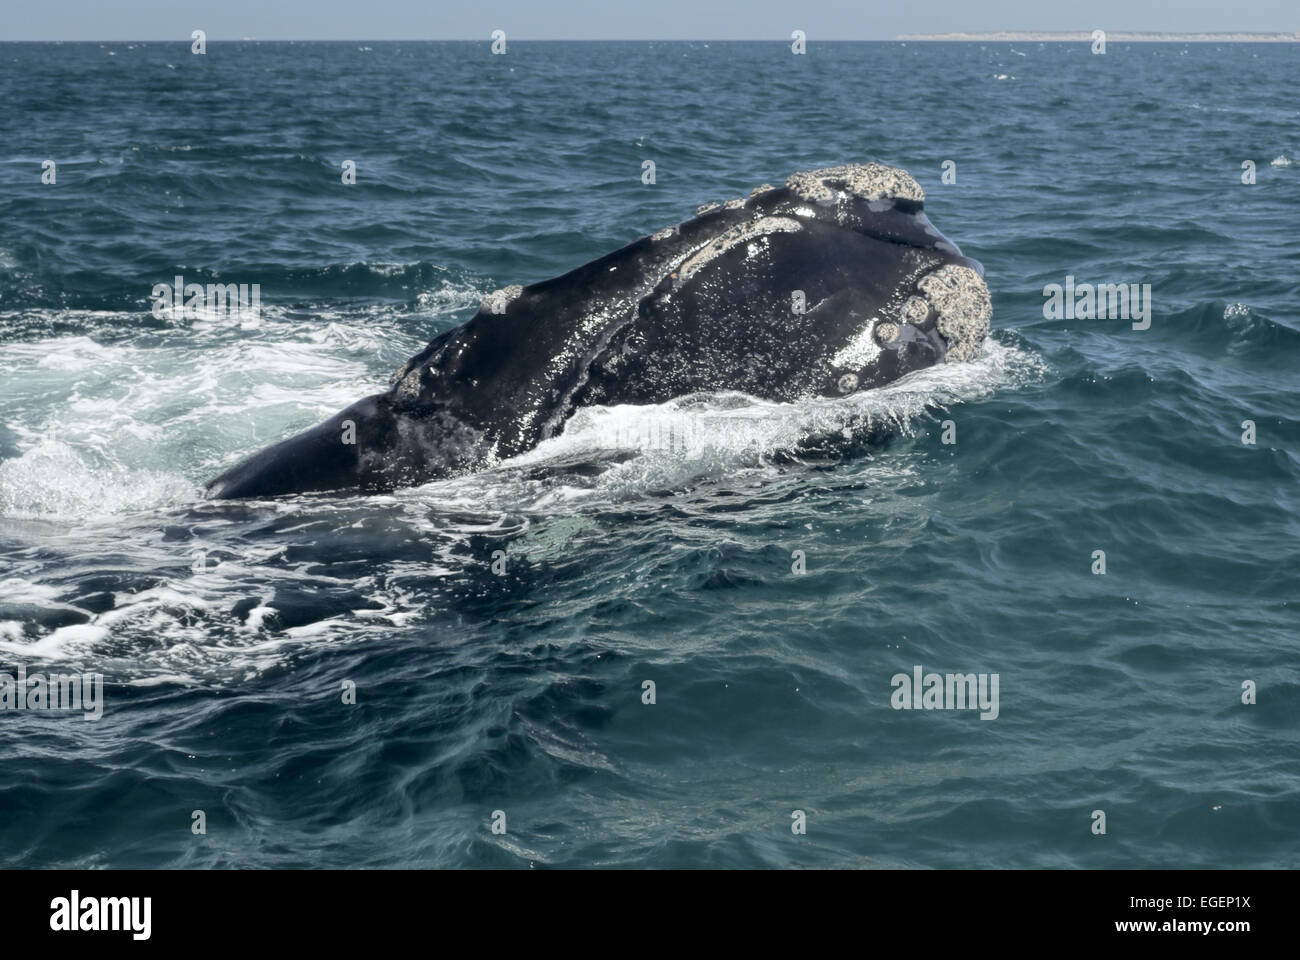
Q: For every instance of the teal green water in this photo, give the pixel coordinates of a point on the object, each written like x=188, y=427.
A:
x=226, y=631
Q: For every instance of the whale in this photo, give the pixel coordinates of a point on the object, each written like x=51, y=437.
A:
x=832, y=283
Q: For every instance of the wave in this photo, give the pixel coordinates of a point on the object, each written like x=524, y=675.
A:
x=1218, y=327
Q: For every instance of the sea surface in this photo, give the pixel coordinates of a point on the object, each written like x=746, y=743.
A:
x=497, y=631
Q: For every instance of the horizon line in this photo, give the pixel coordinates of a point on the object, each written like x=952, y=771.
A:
x=994, y=36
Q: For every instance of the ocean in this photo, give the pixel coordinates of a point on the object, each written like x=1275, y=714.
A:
x=672, y=636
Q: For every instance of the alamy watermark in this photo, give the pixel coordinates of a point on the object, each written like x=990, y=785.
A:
x=687, y=436
x=196, y=301
x=58, y=691
x=75, y=913
x=952, y=691
x=1101, y=301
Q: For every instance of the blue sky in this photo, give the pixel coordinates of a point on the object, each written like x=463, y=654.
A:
x=616, y=19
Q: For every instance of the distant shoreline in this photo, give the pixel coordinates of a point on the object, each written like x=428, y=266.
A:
x=1078, y=36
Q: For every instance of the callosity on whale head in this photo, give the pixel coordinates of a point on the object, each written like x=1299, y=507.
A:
x=835, y=282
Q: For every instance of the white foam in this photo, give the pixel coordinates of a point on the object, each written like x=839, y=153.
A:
x=51, y=480
x=701, y=435
x=105, y=427
x=57, y=644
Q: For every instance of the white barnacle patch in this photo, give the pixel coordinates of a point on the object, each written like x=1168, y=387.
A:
x=965, y=309
x=886, y=332
x=705, y=208
x=915, y=310
x=408, y=382
x=735, y=204
x=498, y=300
x=805, y=212
x=859, y=351
x=869, y=181
x=761, y=189
x=741, y=233
x=664, y=234
x=400, y=372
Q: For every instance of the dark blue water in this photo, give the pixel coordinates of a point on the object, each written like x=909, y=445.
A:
x=226, y=631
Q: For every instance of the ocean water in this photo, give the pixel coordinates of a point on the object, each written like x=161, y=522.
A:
x=652, y=544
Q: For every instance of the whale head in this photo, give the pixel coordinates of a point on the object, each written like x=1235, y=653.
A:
x=835, y=282
x=912, y=299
